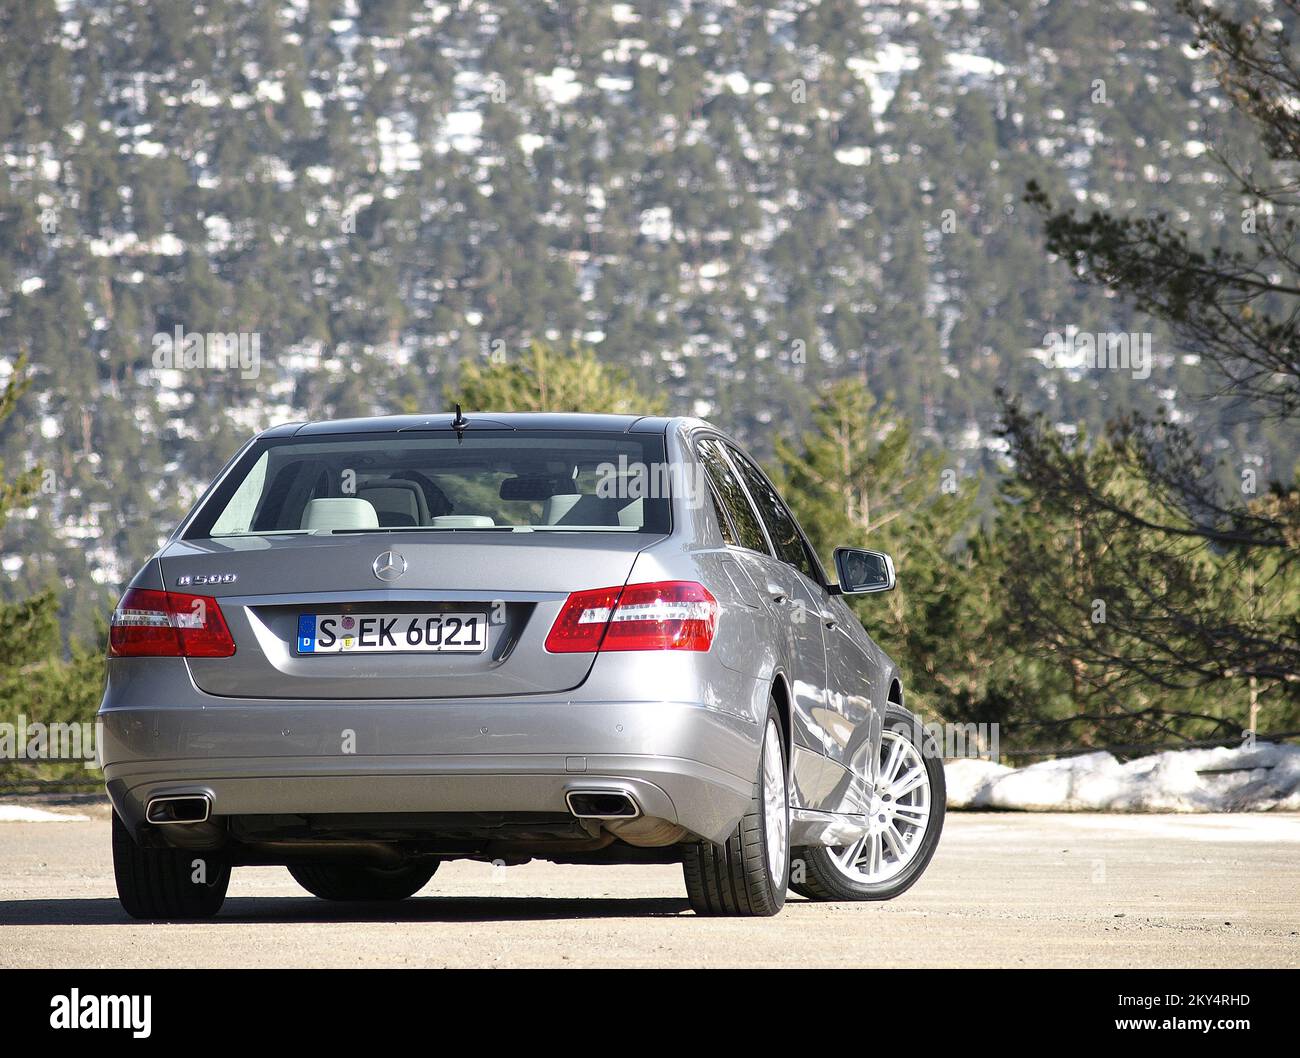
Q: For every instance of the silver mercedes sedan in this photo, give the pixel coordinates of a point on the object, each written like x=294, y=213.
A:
x=376, y=645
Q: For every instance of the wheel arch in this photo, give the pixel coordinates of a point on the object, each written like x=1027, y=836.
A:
x=780, y=694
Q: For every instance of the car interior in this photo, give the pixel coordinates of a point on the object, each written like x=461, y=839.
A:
x=337, y=488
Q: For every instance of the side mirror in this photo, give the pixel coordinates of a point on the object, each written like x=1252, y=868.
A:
x=862, y=572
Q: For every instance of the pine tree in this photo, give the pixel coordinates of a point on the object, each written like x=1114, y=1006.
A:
x=37, y=683
x=857, y=479
x=1164, y=535
x=547, y=380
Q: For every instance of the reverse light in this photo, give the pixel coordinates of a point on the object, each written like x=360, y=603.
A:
x=665, y=615
x=168, y=624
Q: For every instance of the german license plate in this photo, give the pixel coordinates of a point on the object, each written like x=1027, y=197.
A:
x=377, y=633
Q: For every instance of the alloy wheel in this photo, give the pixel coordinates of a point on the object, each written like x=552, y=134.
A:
x=898, y=814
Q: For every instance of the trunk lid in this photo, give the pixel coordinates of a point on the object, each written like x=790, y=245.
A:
x=517, y=580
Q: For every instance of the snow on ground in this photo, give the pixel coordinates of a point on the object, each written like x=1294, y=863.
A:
x=1229, y=779
x=27, y=814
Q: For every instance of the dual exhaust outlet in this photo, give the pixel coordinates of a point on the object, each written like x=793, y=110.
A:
x=602, y=804
x=182, y=808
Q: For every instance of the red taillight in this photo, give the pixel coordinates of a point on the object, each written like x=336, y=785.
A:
x=667, y=615
x=582, y=621
x=168, y=624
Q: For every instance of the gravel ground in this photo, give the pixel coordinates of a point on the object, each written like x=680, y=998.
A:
x=1004, y=890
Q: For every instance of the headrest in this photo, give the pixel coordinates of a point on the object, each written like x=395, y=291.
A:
x=399, y=499
x=346, y=512
x=571, y=508
x=463, y=521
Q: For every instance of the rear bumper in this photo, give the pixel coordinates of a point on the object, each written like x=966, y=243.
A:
x=683, y=762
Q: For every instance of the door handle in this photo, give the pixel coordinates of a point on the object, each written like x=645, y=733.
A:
x=777, y=593
x=829, y=619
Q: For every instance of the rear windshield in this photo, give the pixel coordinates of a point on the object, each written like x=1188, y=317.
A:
x=508, y=481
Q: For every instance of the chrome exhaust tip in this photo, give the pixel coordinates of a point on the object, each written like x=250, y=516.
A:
x=183, y=808
x=602, y=804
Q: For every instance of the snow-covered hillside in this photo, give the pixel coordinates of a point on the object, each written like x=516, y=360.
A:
x=735, y=201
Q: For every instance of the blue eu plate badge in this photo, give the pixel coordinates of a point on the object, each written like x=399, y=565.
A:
x=307, y=633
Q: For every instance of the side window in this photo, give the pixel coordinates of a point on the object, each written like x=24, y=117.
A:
x=724, y=523
x=748, y=532
x=238, y=515
x=781, y=527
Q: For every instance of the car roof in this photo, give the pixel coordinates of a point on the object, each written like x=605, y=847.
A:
x=567, y=421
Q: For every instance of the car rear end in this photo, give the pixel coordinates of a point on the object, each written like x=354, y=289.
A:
x=401, y=639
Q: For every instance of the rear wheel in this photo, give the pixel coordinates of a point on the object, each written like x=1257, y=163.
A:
x=748, y=874
x=334, y=881
x=904, y=820
x=166, y=883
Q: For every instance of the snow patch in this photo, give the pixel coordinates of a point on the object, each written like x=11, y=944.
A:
x=657, y=223
x=560, y=86
x=607, y=83
x=853, y=156
x=1262, y=777
x=530, y=142
x=27, y=814
x=976, y=65
x=965, y=778
x=882, y=72
x=735, y=82
x=463, y=130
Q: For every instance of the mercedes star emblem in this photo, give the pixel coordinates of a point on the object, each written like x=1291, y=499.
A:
x=389, y=566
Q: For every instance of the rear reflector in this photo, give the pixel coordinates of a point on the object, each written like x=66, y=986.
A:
x=666, y=615
x=168, y=624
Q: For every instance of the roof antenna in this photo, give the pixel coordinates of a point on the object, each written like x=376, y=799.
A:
x=459, y=424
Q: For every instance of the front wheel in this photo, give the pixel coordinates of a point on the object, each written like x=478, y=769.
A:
x=748, y=874
x=904, y=819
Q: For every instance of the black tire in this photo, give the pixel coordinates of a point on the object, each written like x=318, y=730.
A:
x=348, y=881
x=735, y=878
x=159, y=883
x=815, y=874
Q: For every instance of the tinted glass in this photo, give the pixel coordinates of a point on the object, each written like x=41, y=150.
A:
x=724, y=523
x=781, y=527
x=748, y=531
x=524, y=481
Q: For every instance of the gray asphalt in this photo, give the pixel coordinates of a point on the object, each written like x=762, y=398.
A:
x=1004, y=890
